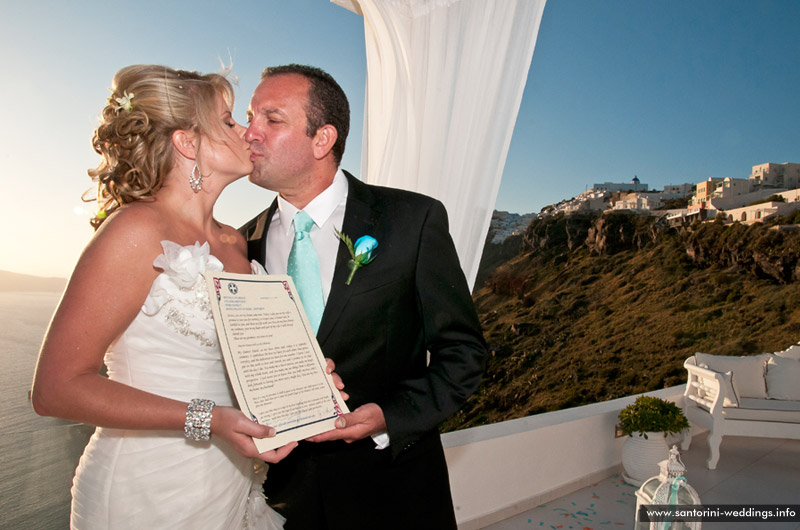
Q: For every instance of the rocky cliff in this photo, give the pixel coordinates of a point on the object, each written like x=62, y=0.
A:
x=595, y=307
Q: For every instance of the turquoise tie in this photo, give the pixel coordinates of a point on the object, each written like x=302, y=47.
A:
x=303, y=267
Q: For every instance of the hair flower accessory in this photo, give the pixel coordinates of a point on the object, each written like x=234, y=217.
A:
x=361, y=254
x=125, y=101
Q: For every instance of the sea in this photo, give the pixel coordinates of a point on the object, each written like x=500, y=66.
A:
x=39, y=455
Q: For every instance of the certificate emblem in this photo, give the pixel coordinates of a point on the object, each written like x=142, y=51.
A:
x=232, y=288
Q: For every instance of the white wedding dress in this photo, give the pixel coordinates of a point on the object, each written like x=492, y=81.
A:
x=130, y=479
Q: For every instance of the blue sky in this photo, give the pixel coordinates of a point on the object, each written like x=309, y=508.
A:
x=671, y=91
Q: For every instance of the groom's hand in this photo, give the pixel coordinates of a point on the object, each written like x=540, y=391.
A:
x=337, y=381
x=365, y=421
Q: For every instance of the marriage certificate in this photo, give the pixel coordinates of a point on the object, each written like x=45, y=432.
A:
x=272, y=356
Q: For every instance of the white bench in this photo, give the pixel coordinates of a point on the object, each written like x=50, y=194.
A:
x=755, y=395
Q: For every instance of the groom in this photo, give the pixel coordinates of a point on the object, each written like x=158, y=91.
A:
x=383, y=466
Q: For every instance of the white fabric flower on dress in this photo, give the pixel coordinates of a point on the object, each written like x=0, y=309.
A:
x=183, y=266
x=257, y=268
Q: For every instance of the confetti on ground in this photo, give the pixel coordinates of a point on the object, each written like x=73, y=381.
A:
x=600, y=505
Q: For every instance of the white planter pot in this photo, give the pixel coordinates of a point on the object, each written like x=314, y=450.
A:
x=640, y=456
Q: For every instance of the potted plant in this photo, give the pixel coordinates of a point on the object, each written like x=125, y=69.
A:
x=647, y=422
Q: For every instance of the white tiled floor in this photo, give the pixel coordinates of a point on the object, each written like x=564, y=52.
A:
x=750, y=471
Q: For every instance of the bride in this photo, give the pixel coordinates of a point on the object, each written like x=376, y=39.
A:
x=170, y=450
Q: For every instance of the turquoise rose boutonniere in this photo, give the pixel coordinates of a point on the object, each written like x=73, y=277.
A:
x=360, y=254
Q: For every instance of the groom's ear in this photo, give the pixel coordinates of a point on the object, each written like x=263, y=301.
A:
x=186, y=143
x=324, y=139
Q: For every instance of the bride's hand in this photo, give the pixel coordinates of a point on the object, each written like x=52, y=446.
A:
x=238, y=431
x=276, y=455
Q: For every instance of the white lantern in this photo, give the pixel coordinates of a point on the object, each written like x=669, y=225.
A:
x=668, y=488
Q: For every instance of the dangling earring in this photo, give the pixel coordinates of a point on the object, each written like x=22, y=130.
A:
x=196, y=179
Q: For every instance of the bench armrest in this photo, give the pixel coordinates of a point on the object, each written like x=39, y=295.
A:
x=706, y=387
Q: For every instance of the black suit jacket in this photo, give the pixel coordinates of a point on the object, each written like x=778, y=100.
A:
x=411, y=299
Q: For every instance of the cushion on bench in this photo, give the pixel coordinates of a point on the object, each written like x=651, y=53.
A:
x=764, y=410
x=747, y=372
x=770, y=404
x=783, y=378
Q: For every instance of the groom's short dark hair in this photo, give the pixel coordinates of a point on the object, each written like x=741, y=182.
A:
x=327, y=102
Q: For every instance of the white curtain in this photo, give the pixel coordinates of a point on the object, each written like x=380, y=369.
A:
x=444, y=83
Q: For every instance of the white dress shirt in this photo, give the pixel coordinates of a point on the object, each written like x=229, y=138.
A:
x=327, y=211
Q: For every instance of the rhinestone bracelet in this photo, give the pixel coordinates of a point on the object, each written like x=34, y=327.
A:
x=198, y=420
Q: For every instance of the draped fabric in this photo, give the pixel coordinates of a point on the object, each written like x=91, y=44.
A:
x=444, y=83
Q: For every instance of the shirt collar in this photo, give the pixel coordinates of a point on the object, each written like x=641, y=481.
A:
x=320, y=208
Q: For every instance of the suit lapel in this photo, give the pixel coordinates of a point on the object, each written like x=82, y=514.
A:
x=256, y=236
x=360, y=218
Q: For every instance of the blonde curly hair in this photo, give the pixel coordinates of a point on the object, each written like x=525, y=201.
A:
x=147, y=104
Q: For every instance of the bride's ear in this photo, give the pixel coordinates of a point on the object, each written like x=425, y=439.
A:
x=186, y=143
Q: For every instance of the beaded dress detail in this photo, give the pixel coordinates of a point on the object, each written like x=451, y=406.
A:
x=129, y=479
